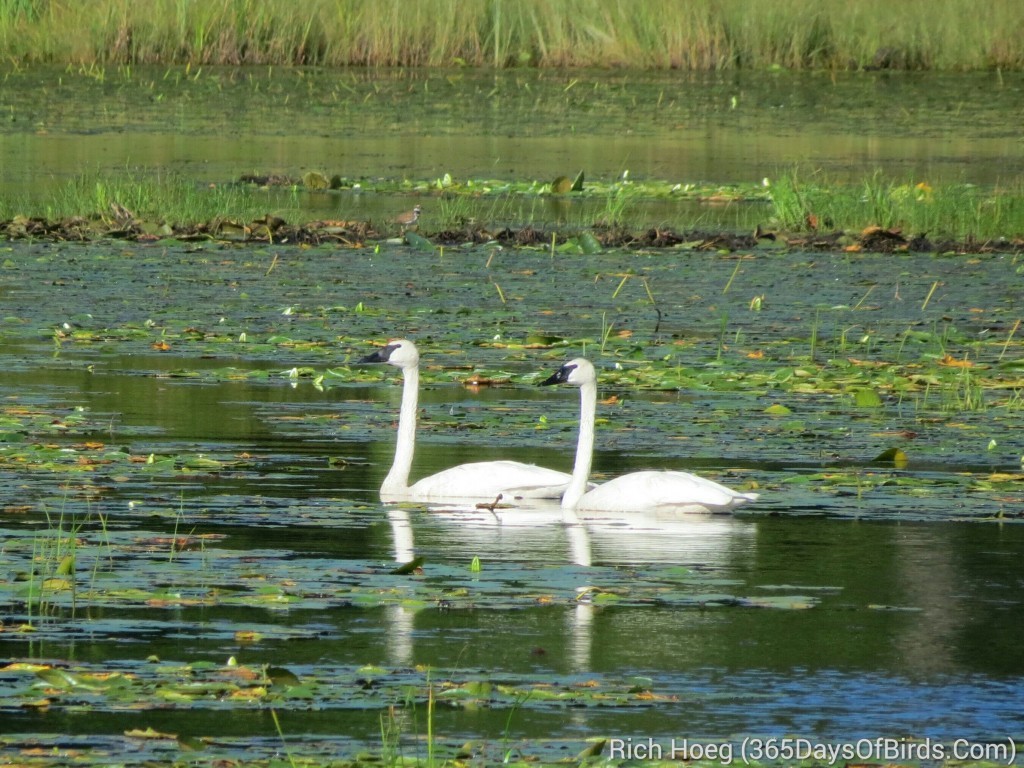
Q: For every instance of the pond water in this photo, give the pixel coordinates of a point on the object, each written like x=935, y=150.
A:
x=213, y=125
x=191, y=539
x=221, y=507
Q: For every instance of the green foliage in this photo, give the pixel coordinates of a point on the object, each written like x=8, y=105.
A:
x=155, y=198
x=954, y=210
x=512, y=33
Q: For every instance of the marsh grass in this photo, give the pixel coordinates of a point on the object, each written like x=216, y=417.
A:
x=620, y=205
x=56, y=559
x=528, y=207
x=159, y=201
x=956, y=210
x=457, y=211
x=153, y=197
x=702, y=35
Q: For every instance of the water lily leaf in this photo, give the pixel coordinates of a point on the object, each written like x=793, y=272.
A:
x=589, y=243
x=865, y=397
x=148, y=733
x=895, y=456
x=561, y=185
x=777, y=410
x=594, y=750
x=282, y=676
x=577, y=185
x=40, y=704
x=544, y=340
x=58, y=678
x=67, y=566
x=406, y=568
x=419, y=242
x=201, y=462
x=640, y=683
x=191, y=744
x=315, y=180
x=786, y=602
x=479, y=688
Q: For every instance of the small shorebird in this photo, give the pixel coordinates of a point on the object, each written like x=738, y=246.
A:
x=408, y=218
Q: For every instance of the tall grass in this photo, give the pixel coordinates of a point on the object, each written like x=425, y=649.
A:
x=799, y=203
x=953, y=211
x=684, y=34
x=170, y=199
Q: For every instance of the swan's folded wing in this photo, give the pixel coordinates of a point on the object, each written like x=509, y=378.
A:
x=648, y=491
x=486, y=480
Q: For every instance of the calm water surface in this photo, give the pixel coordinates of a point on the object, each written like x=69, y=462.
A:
x=828, y=612
x=741, y=127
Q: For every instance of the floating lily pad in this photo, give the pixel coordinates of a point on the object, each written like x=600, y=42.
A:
x=894, y=456
x=561, y=185
x=315, y=180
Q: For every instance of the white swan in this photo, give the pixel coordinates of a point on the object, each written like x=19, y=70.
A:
x=664, y=491
x=481, y=480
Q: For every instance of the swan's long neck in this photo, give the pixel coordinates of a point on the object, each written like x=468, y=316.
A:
x=584, y=446
x=397, y=480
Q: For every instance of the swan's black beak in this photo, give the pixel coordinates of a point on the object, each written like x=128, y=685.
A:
x=382, y=355
x=561, y=376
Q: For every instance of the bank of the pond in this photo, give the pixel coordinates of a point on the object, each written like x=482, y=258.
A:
x=660, y=34
x=877, y=215
x=361, y=234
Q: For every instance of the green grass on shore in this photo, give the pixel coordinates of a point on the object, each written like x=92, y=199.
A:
x=796, y=206
x=692, y=34
x=950, y=211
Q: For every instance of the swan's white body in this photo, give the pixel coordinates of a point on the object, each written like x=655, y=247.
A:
x=650, y=491
x=481, y=480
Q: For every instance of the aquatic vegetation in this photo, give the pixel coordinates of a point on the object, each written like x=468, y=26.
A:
x=190, y=534
x=894, y=215
x=880, y=215
x=884, y=360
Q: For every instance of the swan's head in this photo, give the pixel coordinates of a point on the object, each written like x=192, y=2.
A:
x=398, y=352
x=577, y=372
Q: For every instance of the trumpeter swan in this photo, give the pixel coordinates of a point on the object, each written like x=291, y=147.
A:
x=661, y=491
x=481, y=480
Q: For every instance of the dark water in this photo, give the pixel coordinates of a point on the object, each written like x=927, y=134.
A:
x=853, y=601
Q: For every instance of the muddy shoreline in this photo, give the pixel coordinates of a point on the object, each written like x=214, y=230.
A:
x=358, y=234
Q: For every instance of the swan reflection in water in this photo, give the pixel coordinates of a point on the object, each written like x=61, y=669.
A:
x=545, y=533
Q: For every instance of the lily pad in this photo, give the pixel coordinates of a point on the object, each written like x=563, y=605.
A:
x=315, y=180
